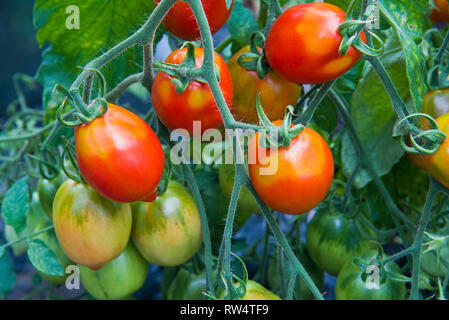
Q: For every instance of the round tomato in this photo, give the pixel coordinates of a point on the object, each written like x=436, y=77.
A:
x=435, y=104
x=181, y=22
x=92, y=230
x=119, y=278
x=302, y=45
x=437, y=164
x=167, y=232
x=246, y=202
x=187, y=286
x=441, y=12
x=276, y=92
x=36, y=220
x=49, y=238
x=120, y=156
x=301, y=290
x=47, y=191
x=292, y=179
x=355, y=284
x=196, y=103
x=254, y=291
x=332, y=240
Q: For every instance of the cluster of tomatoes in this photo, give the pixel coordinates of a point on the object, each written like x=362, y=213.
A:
x=116, y=224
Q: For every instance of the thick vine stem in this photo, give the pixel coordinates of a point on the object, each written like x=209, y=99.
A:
x=115, y=93
x=188, y=174
x=148, y=71
x=341, y=106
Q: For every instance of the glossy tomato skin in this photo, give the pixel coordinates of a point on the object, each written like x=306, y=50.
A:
x=254, y=291
x=91, y=229
x=187, y=286
x=196, y=103
x=332, y=240
x=301, y=290
x=437, y=164
x=120, y=156
x=119, y=278
x=435, y=104
x=351, y=286
x=441, y=12
x=167, y=232
x=181, y=22
x=276, y=92
x=47, y=189
x=302, y=45
x=292, y=179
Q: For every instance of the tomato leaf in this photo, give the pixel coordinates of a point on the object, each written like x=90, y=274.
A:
x=44, y=259
x=102, y=24
x=7, y=275
x=15, y=205
x=374, y=118
x=241, y=23
x=406, y=18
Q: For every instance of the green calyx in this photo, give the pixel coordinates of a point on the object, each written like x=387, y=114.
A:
x=274, y=136
x=254, y=60
x=185, y=72
x=351, y=31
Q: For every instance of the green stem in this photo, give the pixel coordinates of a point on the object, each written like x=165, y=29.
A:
x=113, y=95
x=188, y=174
x=223, y=45
x=6, y=245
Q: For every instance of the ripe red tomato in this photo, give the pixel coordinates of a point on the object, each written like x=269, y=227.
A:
x=302, y=45
x=441, y=13
x=120, y=156
x=437, y=164
x=196, y=103
x=91, y=230
x=276, y=92
x=292, y=179
x=181, y=22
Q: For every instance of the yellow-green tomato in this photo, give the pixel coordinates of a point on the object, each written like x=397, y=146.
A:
x=167, y=231
x=119, y=278
x=36, y=220
x=254, y=291
x=91, y=229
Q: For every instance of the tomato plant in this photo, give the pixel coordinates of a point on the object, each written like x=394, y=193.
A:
x=276, y=93
x=119, y=278
x=314, y=28
x=82, y=218
x=303, y=176
x=103, y=150
x=181, y=22
x=167, y=232
x=196, y=103
x=120, y=156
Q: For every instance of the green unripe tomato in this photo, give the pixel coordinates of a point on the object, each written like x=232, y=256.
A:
x=119, y=278
x=47, y=190
x=332, y=240
x=187, y=286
